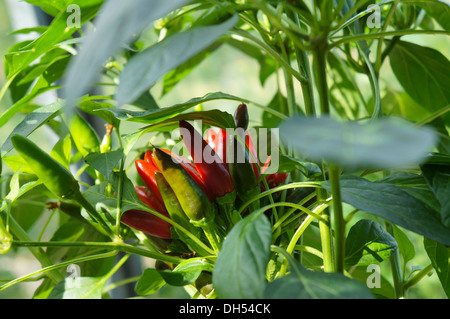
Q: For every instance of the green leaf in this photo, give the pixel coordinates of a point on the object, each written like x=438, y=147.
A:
x=439, y=257
x=116, y=25
x=386, y=143
x=437, y=9
x=62, y=151
x=33, y=121
x=159, y=115
x=368, y=243
x=146, y=67
x=405, y=246
x=415, y=185
x=423, y=72
x=306, y=284
x=104, y=162
x=438, y=177
x=78, y=288
x=393, y=204
x=240, y=268
x=149, y=283
x=186, y=272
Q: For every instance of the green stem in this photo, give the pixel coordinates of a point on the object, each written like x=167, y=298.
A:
x=417, y=277
x=95, y=215
x=319, y=64
x=394, y=259
x=102, y=245
x=381, y=39
x=376, y=35
x=338, y=218
x=38, y=253
x=275, y=190
x=53, y=268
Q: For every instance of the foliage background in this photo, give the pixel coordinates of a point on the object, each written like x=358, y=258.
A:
x=226, y=70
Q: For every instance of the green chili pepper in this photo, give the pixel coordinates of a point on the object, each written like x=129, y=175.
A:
x=54, y=176
x=84, y=135
x=177, y=214
x=193, y=200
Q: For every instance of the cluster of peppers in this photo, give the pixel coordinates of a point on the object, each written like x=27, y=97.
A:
x=200, y=196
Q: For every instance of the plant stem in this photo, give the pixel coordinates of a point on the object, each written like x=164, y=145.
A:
x=394, y=259
x=319, y=65
x=338, y=218
x=376, y=35
x=39, y=253
x=53, y=268
x=102, y=245
x=381, y=39
x=417, y=277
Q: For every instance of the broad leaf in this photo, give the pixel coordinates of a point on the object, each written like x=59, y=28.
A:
x=386, y=143
x=104, y=162
x=186, y=272
x=423, y=72
x=439, y=256
x=438, y=179
x=146, y=67
x=240, y=269
x=393, y=204
x=368, y=243
x=159, y=115
x=149, y=283
x=306, y=284
x=78, y=288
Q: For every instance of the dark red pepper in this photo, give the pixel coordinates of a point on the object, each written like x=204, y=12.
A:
x=218, y=142
x=147, y=223
x=147, y=173
x=151, y=201
x=211, y=168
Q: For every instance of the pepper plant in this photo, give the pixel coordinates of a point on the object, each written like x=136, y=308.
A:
x=358, y=121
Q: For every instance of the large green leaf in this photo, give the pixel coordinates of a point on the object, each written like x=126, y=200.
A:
x=438, y=179
x=438, y=9
x=306, y=284
x=149, y=283
x=439, y=256
x=104, y=162
x=146, y=67
x=368, y=243
x=393, y=204
x=387, y=143
x=240, y=269
x=158, y=115
x=117, y=24
x=78, y=288
x=423, y=72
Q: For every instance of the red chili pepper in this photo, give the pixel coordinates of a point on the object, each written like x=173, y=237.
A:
x=147, y=223
x=151, y=201
x=218, y=142
x=147, y=173
x=212, y=170
x=254, y=156
x=275, y=179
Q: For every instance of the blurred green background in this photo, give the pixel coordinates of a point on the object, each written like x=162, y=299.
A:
x=226, y=70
